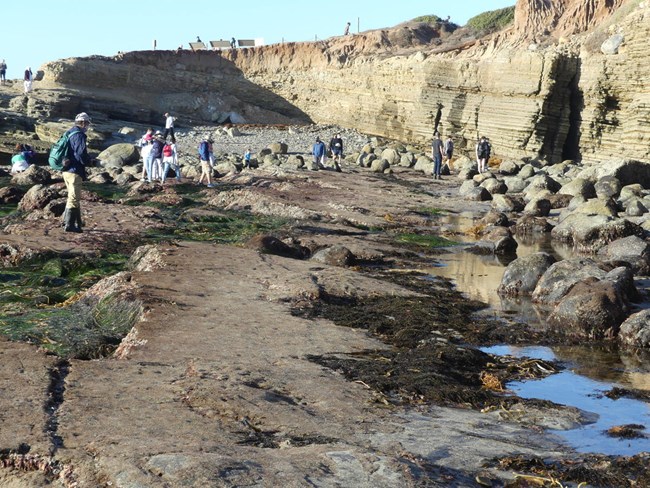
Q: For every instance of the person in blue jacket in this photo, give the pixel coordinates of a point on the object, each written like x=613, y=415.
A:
x=318, y=151
x=74, y=171
x=205, y=148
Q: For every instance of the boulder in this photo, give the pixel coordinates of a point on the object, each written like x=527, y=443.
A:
x=233, y=131
x=336, y=255
x=267, y=244
x=495, y=218
x=515, y=184
x=379, y=166
x=477, y=194
x=635, y=331
x=467, y=187
x=119, y=155
x=627, y=171
x=527, y=171
x=407, y=160
x=294, y=161
x=424, y=164
x=467, y=174
x=37, y=197
x=589, y=233
x=592, y=309
x=632, y=250
x=630, y=191
x=494, y=186
x=227, y=168
x=33, y=175
x=539, y=207
x=560, y=277
x=529, y=224
x=365, y=159
x=279, y=148
x=507, y=203
x=11, y=194
x=497, y=241
x=521, y=275
x=635, y=207
x=612, y=44
x=509, y=168
x=579, y=186
x=559, y=200
x=481, y=177
x=608, y=187
x=542, y=182
x=271, y=160
x=391, y=155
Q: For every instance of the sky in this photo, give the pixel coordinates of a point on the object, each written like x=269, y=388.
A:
x=46, y=30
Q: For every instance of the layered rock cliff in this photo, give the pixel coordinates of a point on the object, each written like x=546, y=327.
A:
x=540, y=89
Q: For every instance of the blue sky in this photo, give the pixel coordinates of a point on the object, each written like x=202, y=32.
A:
x=44, y=30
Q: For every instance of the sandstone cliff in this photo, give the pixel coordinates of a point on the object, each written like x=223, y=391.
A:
x=541, y=88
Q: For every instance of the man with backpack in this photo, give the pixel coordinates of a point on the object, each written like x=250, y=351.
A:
x=74, y=171
x=483, y=150
x=205, y=156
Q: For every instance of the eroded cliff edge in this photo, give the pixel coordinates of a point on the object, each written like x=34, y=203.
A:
x=550, y=92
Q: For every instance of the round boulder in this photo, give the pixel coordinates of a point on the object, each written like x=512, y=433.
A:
x=579, y=186
x=521, y=276
x=391, y=155
x=34, y=175
x=635, y=331
x=336, y=255
x=608, y=187
x=119, y=155
x=279, y=148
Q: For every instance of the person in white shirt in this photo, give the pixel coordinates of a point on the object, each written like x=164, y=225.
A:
x=169, y=127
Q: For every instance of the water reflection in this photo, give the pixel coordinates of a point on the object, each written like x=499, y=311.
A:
x=571, y=388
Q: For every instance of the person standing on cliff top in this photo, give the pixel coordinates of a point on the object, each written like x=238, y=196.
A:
x=169, y=126
x=347, y=29
x=74, y=171
x=27, y=80
x=437, y=152
x=3, y=72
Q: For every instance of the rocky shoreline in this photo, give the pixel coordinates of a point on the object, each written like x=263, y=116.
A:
x=349, y=366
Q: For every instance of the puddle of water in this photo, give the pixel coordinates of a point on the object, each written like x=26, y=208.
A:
x=569, y=388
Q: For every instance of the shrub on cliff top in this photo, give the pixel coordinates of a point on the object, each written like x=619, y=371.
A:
x=492, y=21
x=429, y=19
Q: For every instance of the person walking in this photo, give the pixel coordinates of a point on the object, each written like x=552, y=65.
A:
x=3, y=72
x=336, y=147
x=169, y=126
x=27, y=80
x=204, y=157
x=318, y=151
x=233, y=43
x=347, y=29
x=74, y=171
x=483, y=150
x=449, y=149
x=437, y=151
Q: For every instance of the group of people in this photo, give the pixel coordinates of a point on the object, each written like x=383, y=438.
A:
x=442, y=151
x=320, y=151
x=158, y=156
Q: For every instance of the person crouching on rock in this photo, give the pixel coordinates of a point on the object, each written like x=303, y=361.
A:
x=318, y=151
x=21, y=159
x=74, y=171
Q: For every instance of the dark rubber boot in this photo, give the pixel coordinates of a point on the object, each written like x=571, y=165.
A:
x=71, y=220
x=77, y=219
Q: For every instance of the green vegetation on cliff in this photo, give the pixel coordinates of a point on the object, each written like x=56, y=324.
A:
x=492, y=21
x=429, y=19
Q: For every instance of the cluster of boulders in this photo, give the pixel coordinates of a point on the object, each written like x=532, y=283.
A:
x=602, y=211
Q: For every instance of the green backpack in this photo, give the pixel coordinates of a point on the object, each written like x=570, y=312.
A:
x=59, y=152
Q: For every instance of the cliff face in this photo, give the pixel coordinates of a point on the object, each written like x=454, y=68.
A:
x=558, y=98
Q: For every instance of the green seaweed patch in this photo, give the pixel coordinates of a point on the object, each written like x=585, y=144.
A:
x=233, y=227
x=107, y=192
x=425, y=240
x=431, y=211
x=7, y=209
x=83, y=330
